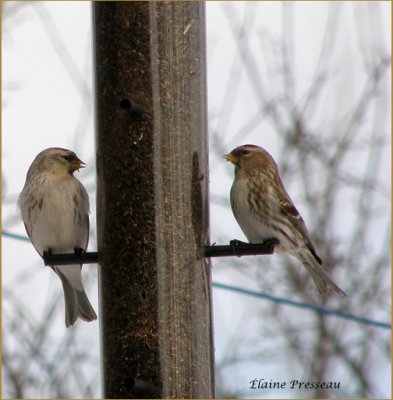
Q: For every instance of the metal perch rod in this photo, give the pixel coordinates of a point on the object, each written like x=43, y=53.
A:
x=236, y=248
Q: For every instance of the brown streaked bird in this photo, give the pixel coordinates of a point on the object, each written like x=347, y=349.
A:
x=264, y=210
x=55, y=210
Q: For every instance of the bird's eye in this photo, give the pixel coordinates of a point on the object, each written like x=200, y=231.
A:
x=67, y=158
x=246, y=151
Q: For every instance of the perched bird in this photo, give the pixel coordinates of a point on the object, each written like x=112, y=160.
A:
x=264, y=210
x=55, y=210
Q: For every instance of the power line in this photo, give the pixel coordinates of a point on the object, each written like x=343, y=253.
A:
x=275, y=299
x=15, y=236
x=317, y=309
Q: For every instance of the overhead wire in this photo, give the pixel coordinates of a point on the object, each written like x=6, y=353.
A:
x=317, y=309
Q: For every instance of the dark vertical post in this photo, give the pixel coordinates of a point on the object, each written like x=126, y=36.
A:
x=152, y=207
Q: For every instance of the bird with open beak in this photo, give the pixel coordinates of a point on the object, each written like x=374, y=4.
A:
x=55, y=210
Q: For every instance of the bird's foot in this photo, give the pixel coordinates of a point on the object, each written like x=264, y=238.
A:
x=47, y=253
x=78, y=251
x=270, y=244
x=236, y=243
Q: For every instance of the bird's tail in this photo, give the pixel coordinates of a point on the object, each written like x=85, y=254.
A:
x=76, y=302
x=318, y=274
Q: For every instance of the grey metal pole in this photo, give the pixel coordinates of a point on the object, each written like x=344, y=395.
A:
x=152, y=202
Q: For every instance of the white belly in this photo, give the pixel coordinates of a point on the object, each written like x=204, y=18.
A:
x=56, y=226
x=255, y=229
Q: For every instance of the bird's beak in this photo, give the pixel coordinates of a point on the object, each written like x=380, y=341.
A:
x=77, y=165
x=231, y=158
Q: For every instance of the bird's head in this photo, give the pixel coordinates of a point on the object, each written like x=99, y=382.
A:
x=58, y=161
x=251, y=158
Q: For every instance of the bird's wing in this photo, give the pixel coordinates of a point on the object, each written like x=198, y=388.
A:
x=87, y=223
x=84, y=222
x=29, y=234
x=290, y=211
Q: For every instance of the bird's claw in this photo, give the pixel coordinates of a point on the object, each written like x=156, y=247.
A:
x=236, y=243
x=47, y=253
x=270, y=244
x=78, y=251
